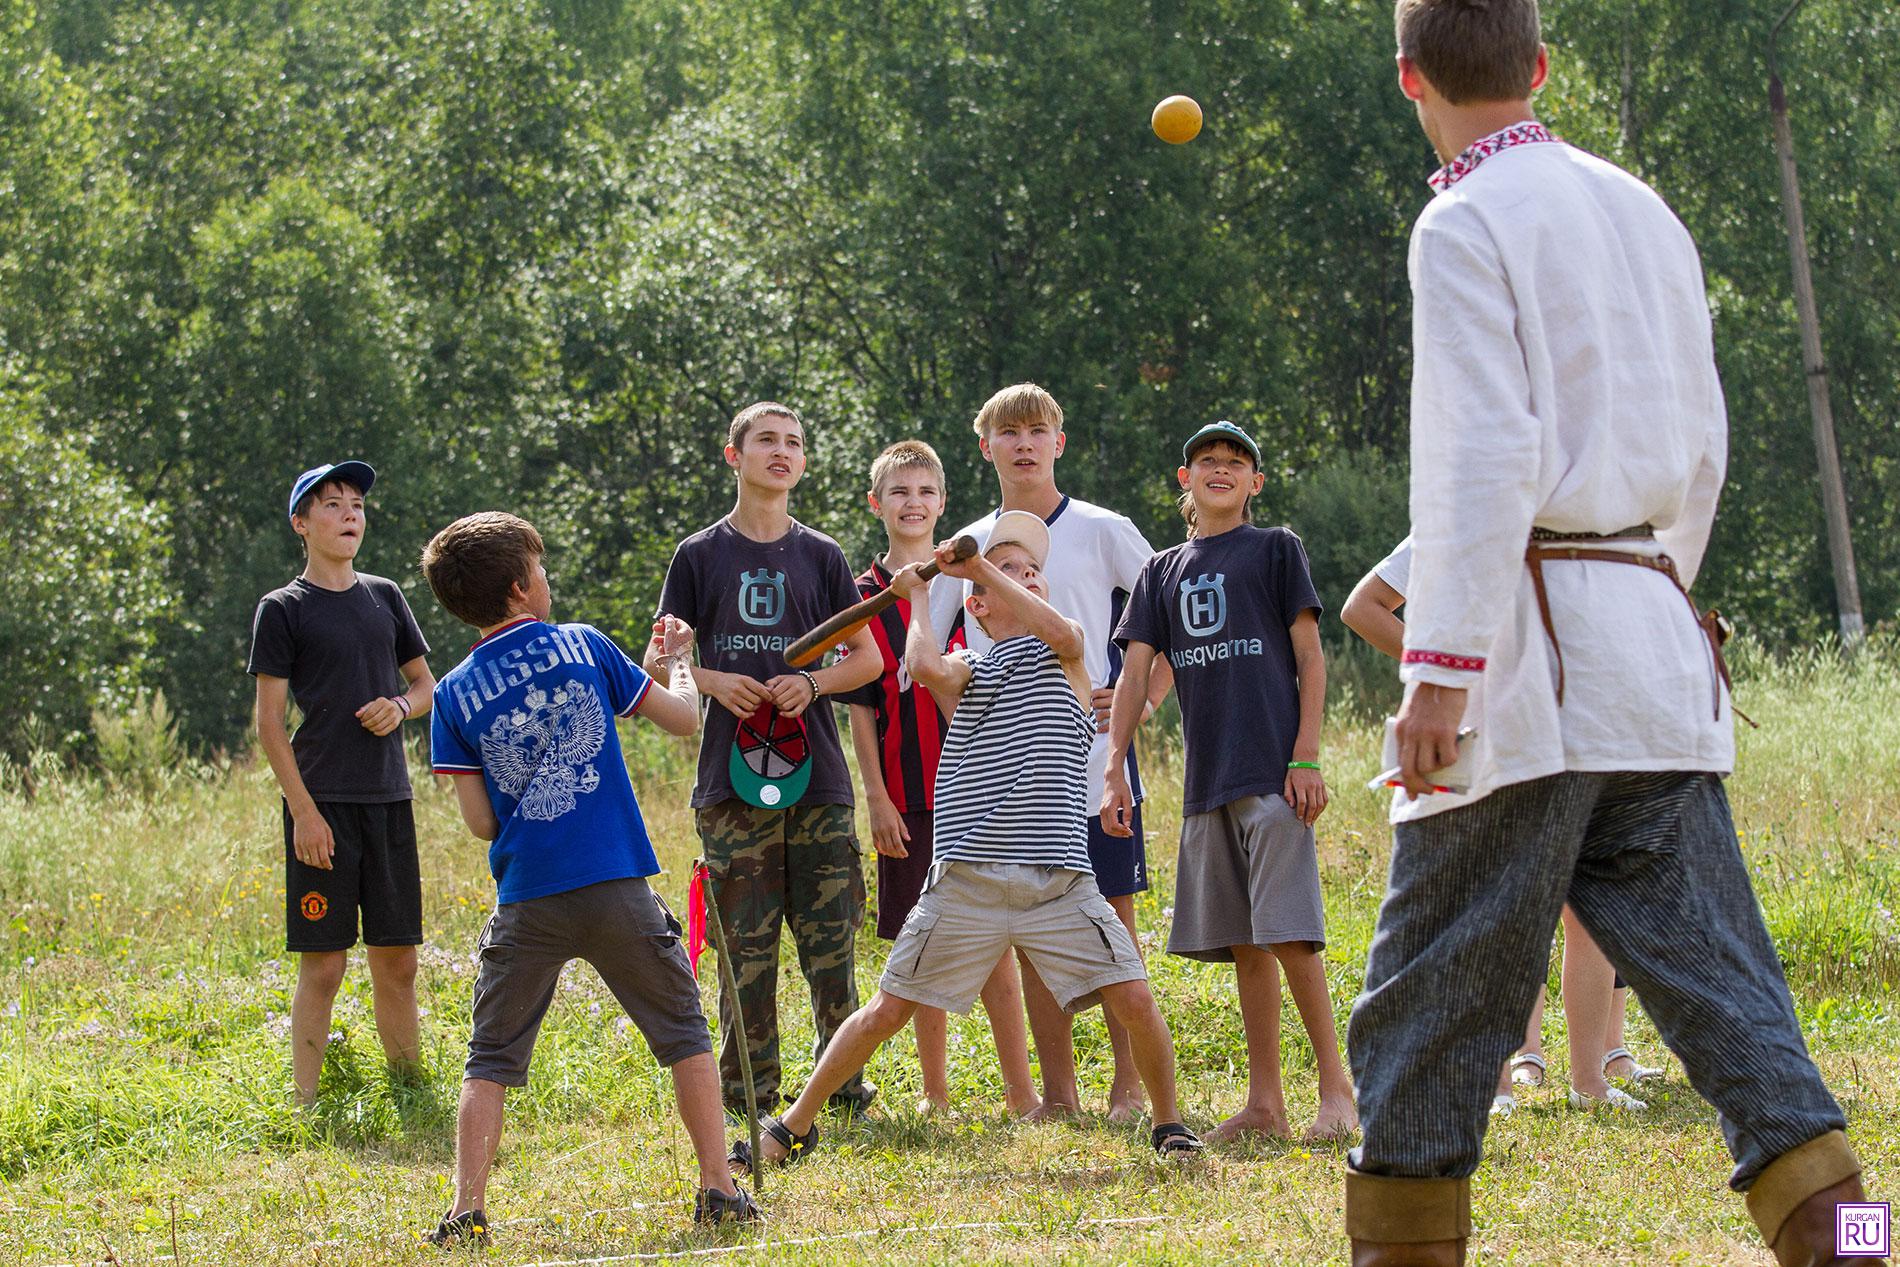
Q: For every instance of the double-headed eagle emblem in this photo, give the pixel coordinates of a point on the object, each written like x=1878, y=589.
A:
x=541, y=752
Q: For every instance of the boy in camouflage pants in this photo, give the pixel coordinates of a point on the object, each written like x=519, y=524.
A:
x=772, y=800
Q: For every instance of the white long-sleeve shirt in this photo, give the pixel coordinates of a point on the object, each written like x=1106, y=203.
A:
x=1563, y=378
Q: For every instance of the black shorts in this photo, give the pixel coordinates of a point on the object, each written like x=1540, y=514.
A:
x=1120, y=862
x=375, y=871
x=900, y=881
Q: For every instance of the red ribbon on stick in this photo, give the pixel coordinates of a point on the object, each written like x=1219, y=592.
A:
x=696, y=917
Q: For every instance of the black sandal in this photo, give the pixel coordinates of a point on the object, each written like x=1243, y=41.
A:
x=1174, y=1142
x=713, y=1206
x=797, y=1147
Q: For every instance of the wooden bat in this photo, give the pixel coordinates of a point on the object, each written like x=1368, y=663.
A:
x=858, y=615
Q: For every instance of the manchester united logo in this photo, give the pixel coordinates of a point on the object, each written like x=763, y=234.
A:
x=314, y=906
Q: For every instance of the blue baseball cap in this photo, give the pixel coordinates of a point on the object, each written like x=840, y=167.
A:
x=361, y=474
x=1222, y=430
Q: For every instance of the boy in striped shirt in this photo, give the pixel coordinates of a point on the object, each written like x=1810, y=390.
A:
x=897, y=730
x=1011, y=868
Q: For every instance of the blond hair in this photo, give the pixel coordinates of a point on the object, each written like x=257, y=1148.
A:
x=745, y=419
x=1022, y=404
x=1471, y=50
x=902, y=456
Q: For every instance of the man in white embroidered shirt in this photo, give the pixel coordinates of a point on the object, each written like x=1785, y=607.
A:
x=1567, y=423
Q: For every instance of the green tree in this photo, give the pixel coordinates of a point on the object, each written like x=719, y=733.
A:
x=84, y=560
x=293, y=355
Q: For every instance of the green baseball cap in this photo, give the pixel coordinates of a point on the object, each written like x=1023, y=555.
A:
x=770, y=765
x=1222, y=430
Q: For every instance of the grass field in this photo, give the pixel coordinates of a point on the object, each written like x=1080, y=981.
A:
x=144, y=1063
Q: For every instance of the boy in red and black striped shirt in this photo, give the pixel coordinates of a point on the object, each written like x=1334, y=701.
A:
x=897, y=732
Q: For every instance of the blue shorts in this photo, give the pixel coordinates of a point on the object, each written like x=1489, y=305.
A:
x=1120, y=862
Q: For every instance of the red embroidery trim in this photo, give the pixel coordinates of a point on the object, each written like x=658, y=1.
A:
x=1445, y=660
x=1529, y=132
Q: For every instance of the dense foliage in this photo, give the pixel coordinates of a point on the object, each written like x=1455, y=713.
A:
x=534, y=253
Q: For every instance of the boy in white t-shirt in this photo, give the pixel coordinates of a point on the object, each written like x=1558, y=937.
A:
x=1096, y=557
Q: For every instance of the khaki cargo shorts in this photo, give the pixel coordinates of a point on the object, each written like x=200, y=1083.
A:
x=976, y=911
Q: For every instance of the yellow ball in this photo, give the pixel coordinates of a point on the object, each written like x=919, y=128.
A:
x=1177, y=120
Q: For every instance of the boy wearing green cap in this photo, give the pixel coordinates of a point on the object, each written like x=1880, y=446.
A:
x=1234, y=613
x=345, y=646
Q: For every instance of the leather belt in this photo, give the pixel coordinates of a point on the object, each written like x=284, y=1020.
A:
x=1539, y=553
x=1635, y=532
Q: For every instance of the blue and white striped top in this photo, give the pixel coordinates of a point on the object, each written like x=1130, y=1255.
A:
x=1012, y=781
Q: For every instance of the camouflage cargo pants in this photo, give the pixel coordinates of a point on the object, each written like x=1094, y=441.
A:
x=771, y=867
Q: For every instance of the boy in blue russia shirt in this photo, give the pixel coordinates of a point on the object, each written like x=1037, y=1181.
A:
x=531, y=711
x=525, y=726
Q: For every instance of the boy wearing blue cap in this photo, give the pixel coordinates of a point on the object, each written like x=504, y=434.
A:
x=1234, y=613
x=345, y=646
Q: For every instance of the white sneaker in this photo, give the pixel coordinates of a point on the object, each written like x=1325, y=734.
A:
x=1617, y=1099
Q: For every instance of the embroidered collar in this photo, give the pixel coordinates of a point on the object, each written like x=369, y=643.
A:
x=1528, y=132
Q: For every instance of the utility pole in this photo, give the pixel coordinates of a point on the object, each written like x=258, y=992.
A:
x=1840, y=542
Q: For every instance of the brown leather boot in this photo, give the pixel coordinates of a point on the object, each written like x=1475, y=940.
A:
x=1407, y=1222
x=1793, y=1202
x=1416, y=1254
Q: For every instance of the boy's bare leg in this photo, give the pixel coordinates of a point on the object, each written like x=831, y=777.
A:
x=319, y=977
x=696, y=1091
x=477, y=1136
x=1533, y=1045
x=1124, y=1093
x=1003, y=1003
x=1133, y=1004
x=392, y=976
x=1305, y=970
x=1258, y=974
x=849, y=1050
x=1619, y=1009
x=1588, y=982
x=1054, y=1032
x=932, y=1029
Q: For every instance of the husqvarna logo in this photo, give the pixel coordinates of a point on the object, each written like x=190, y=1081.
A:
x=761, y=597
x=1204, y=605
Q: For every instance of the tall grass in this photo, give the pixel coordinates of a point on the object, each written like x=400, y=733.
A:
x=144, y=992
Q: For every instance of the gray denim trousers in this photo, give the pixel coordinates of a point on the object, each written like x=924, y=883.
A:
x=1650, y=864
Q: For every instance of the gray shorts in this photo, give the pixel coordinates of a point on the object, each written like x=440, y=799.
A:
x=976, y=911
x=624, y=930
x=1247, y=875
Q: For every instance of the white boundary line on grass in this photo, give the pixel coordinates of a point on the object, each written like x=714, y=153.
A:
x=766, y=1246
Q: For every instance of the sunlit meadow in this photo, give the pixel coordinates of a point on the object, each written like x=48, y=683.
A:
x=144, y=1061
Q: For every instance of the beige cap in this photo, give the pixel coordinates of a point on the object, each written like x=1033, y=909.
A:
x=1019, y=527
